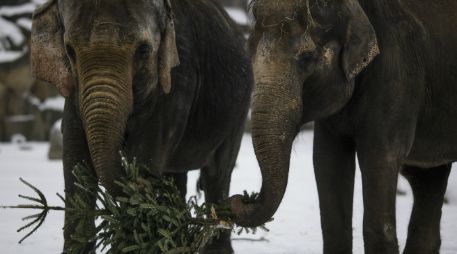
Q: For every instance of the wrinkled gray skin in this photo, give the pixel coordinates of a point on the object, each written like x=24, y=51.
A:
x=378, y=79
x=167, y=82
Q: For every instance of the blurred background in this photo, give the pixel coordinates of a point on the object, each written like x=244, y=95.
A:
x=28, y=107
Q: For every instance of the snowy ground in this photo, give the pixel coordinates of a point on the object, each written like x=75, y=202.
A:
x=296, y=227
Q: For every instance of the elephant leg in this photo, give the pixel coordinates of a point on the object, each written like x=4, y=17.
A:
x=379, y=181
x=334, y=165
x=216, y=187
x=429, y=187
x=215, y=182
x=75, y=151
x=180, y=180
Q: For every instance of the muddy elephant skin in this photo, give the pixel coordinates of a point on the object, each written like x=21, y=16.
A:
x=166, y=82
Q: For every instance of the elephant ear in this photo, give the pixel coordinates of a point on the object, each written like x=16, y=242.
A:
x=361, y=45
x=48, y=57
x=168, y=52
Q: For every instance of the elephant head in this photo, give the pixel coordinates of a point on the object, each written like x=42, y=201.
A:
x=306, y=55
x=106, y=55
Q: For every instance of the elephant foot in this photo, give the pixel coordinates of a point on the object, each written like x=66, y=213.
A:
x=216, y=250
x=85, y=252
x=90, y=248
x=423, y=248
x=221, y=245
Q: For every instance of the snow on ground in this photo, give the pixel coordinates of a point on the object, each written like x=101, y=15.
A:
x=296, y=228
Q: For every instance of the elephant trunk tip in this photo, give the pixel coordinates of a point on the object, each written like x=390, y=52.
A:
x=249, y=213
x=112, y=188
x=109, y=171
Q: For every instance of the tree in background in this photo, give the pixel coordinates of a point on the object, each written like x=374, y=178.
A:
x=20, y=94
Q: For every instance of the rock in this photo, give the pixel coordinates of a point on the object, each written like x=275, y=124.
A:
x=19, y=124
x=20, y=141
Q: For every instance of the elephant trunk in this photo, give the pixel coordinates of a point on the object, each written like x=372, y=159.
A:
x=276, y=118
x=106, y=100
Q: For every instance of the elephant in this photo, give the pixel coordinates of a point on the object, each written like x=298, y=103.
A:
x=166, y=82
x=377, y=77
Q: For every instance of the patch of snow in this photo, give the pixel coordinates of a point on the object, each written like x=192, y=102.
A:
x=11, y=56
x=451, y=193
x=53, y=103
x=57, y=125
x=238, y=15
x=295, y=229
x=18, y=139
x=9, y=32
x=9, y=11
x=11, y=36
x=21, y=141
x=25, y=23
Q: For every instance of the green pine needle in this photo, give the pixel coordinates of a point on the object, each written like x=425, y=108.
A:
x=150, y=216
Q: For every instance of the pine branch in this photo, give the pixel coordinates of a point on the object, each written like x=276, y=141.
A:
x=39, y=218
x=150, y=216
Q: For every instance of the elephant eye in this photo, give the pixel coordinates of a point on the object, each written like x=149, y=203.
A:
x=143, y=51
x=305, y=49
x=305, y=57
